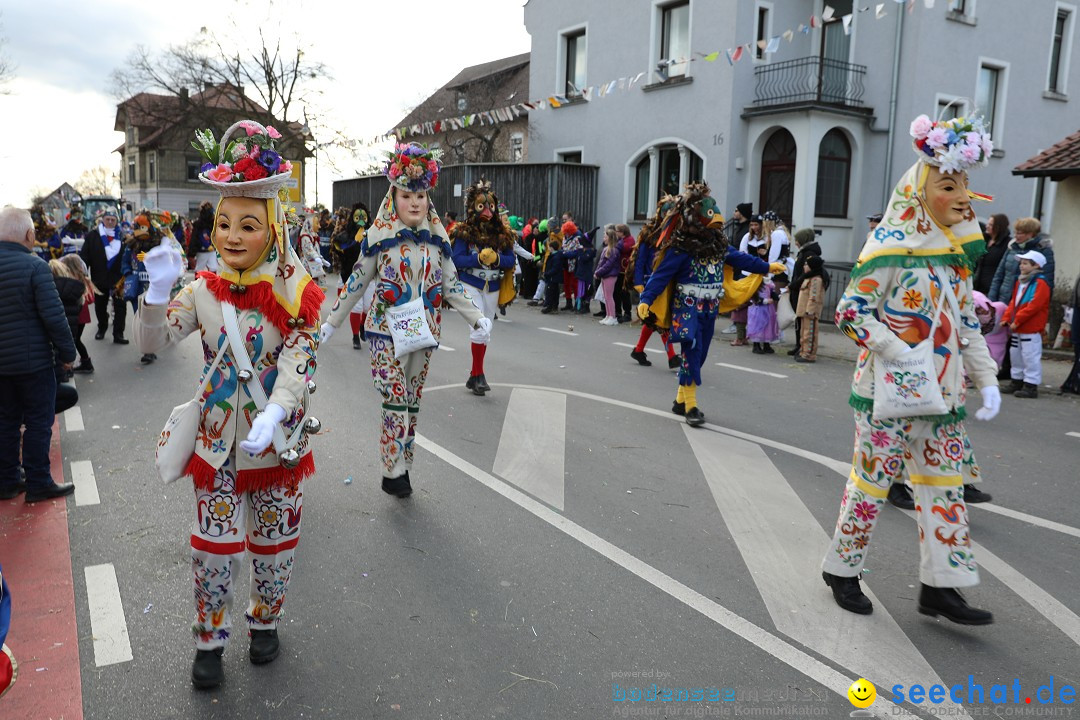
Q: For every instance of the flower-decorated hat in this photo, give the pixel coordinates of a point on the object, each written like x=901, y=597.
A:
x=277, y=283
x=951, y=145
x=413, y=167
x=249, y=166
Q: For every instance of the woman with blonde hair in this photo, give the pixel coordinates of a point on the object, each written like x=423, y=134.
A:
x=776, y=236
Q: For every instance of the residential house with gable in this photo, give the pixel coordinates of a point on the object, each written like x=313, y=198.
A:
x=815, y=124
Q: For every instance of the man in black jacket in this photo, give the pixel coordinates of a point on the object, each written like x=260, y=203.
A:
x=101, y=252
x=32, y=328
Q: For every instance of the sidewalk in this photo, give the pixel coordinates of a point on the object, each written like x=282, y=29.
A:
x=837, y=346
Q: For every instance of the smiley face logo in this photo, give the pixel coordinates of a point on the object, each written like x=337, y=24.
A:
x=862, y=693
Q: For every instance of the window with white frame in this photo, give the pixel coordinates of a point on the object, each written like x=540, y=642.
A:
x=1060, y=45
x=670, y=180
x=833, y=175
x=517, y=147
x=575, y=46
x=193, y=167
x=151, y=161
x=957, y=6
x=990, y=96
x=761, y=31
x=949, y=107
x=675, y=38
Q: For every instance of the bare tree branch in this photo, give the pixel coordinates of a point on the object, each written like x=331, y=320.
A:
x=101, y=180
x=7, y=65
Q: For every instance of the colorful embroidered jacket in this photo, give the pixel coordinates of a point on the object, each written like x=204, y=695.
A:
x=400, y=265
x=472, y=272
x=283, y=363
x=889, y=308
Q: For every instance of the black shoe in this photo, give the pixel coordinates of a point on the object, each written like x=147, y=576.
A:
x=674, y=362
x=533, y=303
x=694, y=417
x=146, y=359
x=121, y=341
x=757, y=349
x=399, y=486
x=900, y=496
x=85, y=367
x=678, y=408
x=502, y=309
x=14, y=491
x=206, y=671
x=793, y=351
x=99, y=335
x=1011, y=387
x=584, y=310
x=153, y=356
x=569, y=305
x=950, y=603
x=847, y=593
x=599, y=314
x=356, y=341
x=768, y=349
x=641, y=357
x=548, y=311
x=264, y=646
x=481, y=383
x=1027, y=391
x=973, y=494
x=473, y=384
x=53, y=491
x=624, y=319
x=801, y=359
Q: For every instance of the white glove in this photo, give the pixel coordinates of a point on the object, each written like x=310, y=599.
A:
x=262, y=429
x=326, y=332
x=163, y=266
x=991, y=396
x=484, y=325
x=326, y=263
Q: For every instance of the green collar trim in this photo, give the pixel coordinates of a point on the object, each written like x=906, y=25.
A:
x=865, y=404
x=968, y=259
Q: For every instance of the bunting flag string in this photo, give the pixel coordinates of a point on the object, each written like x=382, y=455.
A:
x=733, y=55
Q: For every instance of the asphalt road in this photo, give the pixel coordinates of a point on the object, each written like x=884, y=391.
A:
x=582, y=545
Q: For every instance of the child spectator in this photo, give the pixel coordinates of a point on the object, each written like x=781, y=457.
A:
x=553, y=275
x=607, y=270
x=71, y=285
x=762, y=328
x=995, y=334
x=1026, y=317
x=811, y=293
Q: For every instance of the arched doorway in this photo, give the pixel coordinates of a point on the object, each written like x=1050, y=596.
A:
x=778, y=175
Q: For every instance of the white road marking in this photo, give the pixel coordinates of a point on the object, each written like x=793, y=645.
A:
x=447, y=348
x=647, y=349
x=561, y=332
x=532, y=446
x=107, y=623
x=73, y=419
x=1073, y=434
x=782, y=544
x=752, y=370
x=1030, y=519
x=82, y=474
x=756, y=636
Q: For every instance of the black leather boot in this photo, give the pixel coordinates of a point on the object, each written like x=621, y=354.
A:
x=674, y=362
x=356, y=341
x=264, y=646
x=950, y=603
x=641, y=357
x=972, y=494
x=694, y=417
x=900, y=496
x=847, y=593
x=1027, y=390
x=678, y=408
x=481, y=384
x=206, y=671
x=1012, y=386
x=399, y=486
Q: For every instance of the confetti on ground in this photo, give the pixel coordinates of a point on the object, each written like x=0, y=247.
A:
x=148, y=608
x=348, y=480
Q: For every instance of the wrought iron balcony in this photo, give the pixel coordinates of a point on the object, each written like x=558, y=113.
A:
x=809, y=81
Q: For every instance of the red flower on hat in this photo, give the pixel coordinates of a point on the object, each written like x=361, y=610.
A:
x=256, y=172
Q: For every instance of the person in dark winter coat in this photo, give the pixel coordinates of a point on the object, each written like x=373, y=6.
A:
x=739, y=224
x=552, y=271
x=806, y=241
x=997, y=242
x=33, y=331
x=1028, y=237
x=101, y=251
x=72, y=291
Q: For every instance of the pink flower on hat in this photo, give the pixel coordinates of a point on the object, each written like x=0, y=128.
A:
x=937, y=137
x=920, y=126
x=222, y=173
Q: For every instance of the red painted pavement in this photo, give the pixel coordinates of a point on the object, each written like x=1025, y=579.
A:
x=36, y=556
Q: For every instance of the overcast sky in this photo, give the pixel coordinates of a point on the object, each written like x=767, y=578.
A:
x=59, y=115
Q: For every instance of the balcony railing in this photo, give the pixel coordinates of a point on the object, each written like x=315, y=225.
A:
x=810, y=80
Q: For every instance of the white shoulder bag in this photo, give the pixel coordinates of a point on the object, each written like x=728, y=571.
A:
x=408, y=323
x=909, y=387
x=176, y=444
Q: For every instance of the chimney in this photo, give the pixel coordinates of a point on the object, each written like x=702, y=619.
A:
x=184, y=94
